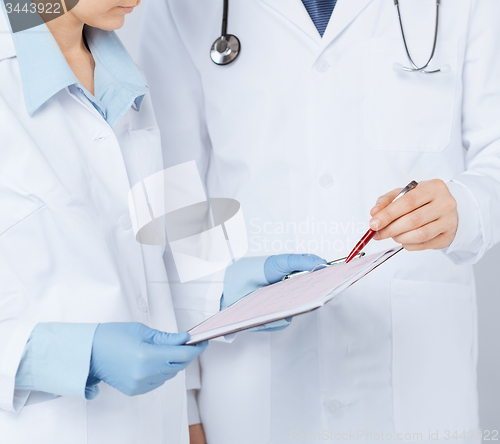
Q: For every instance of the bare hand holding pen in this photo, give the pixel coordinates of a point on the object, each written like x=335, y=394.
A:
x=426, y=218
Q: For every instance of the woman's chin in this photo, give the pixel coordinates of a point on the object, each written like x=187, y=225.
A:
x=110, y=24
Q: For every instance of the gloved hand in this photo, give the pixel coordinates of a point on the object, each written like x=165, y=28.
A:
x=277, y=267
x=249, y=274
x=136, y=359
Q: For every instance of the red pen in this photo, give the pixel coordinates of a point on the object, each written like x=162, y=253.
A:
x=370, y=233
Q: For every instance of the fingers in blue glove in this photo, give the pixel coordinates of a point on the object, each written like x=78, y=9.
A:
x=136, y=359
x=178, y=354
x=161, y=338
x=277, y=267
x=304, y=262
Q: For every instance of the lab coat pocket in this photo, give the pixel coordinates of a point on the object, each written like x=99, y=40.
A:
x=409, y=111
x=433, y=356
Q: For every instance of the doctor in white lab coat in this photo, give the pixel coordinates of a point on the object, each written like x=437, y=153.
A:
x=80, y=299
x=307, y=132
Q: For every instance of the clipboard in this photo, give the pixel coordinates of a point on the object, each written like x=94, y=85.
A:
x=290, y=297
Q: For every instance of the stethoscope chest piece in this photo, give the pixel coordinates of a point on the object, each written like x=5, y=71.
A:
x=225, y=49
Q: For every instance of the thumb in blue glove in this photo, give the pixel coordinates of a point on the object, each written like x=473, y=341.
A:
x=136, y=359
x=277, y=267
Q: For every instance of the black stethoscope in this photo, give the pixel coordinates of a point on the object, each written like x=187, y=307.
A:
x=227, y=47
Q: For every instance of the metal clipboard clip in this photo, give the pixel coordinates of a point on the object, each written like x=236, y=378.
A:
x=321, y=266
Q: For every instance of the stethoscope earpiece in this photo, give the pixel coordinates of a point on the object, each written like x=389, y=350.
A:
x=225, y=49
x=398, y=67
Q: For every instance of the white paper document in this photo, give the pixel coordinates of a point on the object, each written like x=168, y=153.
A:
x=288, y=298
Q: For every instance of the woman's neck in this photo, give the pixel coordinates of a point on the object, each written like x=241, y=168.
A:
x=68, y=33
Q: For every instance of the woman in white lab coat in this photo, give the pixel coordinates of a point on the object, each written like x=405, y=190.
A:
x=80, y=300
x=307, y=132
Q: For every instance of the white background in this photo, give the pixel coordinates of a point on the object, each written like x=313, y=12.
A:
x=488, y=286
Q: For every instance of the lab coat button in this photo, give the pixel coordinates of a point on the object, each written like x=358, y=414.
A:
x=101, y=135
x=152, y=394
x=125, y=222
x=326, y=181
x=332, y=407
x=143, y=306
x=321, y=67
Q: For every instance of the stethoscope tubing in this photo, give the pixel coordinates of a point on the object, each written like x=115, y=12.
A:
x=225, y=12
x=227, y=47
x=434, y=45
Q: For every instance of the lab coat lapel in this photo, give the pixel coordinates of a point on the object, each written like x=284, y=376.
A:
x=343, y=15
x=295, y=12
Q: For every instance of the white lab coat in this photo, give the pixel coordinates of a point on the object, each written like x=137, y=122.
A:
x=306, y=133
x=68, y=254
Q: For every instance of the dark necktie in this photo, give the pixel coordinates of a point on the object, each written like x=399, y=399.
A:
x=320, y=12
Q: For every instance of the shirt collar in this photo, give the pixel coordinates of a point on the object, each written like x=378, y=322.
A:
x=118, y=81
x=44, y=70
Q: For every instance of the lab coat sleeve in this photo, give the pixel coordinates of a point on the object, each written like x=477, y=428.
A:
x=56, y=360
x=192, y=408
x=193, y=385
x=468, y=239
x=14, y=335
x=477, y=189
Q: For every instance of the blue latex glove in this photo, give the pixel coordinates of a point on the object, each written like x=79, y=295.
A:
x=249, y=274
x=277, y=267
x=136, y=359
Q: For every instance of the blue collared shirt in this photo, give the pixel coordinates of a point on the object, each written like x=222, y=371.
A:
x=118, y=82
